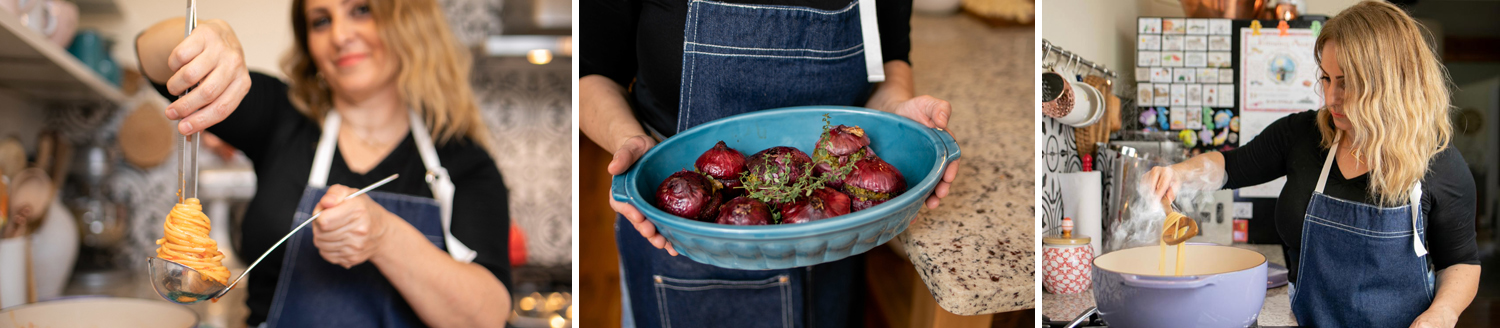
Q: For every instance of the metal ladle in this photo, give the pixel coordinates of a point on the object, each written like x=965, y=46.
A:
x=184, y=285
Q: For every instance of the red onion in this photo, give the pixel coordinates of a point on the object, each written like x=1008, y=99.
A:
x=779, y=165
x=822, y=204
x=872, y=182
x=690, y=195
x=744, y=211
x=837, y=149
x=843, y=140
x=724, y=164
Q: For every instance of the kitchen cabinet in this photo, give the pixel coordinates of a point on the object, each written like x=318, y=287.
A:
x=34, y=67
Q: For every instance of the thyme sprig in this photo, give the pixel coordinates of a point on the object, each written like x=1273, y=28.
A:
x=773, y=184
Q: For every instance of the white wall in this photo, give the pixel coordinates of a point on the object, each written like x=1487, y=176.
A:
x=1100, y=31
x=263, y=26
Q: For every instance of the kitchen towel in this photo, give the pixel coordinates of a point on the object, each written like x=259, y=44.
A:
x=1083, y=194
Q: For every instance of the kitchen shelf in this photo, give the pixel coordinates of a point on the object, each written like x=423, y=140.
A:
x=33, y=66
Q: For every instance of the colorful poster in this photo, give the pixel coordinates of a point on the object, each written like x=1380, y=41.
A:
x=1179, y=115
x=1173, y=25
x=1195, y=43
x=1219, y=59
x=1211, y=95
x=1226, y=95
x=1220, y=43
x=1150, y=25
x=1197, y=26
x=1184, y=75
x=1171, y=58
x=1194, y=98
x=1208, y=75
x=1173, y=42
x=1161, y=75
x=1179, y=98
x=1148, y=42
x=1217, y=26
x=1143, y=94
x=1148, y=59
x=1195, y=59
x=1162, y=94
x=1278, y=72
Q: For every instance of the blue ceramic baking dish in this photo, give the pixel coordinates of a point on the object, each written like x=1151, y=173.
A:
x=919, y=152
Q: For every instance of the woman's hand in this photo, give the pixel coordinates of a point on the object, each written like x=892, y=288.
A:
x=350, y=231
x=933, y=113
x=211, y=63
x=630, y=151
x=1163, y=183
x=1436, y=318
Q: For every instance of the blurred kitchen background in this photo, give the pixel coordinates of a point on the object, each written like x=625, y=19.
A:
x=1100, y=38
x=73, y=106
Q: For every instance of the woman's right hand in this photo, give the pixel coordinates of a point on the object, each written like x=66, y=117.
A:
x=1163, y=183
x=630, y=151
x=211, y=63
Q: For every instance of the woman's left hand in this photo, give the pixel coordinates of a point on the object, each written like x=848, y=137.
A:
x=933, y=113
x=1435, y=318
x=349, y=232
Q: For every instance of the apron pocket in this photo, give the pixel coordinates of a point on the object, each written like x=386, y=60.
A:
x=724, y=303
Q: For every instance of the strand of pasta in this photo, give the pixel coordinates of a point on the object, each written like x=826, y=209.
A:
x=1176, y=230
x=185, y=241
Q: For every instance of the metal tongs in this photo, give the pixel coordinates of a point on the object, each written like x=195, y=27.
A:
x=187, y=145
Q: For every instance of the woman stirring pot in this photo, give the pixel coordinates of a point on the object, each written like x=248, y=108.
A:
x=377, y=87
x=1375, y=200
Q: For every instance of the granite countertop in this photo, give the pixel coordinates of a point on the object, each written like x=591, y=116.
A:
x=976, y=252
x=1275, y=311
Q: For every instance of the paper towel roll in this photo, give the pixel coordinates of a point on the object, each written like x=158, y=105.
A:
x=12, y=272
x=1082, y=196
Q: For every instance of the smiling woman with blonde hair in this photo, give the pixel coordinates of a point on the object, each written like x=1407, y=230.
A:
x=375, y=88
x=1375, y=201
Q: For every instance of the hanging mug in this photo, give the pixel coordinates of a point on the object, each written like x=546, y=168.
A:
x=1057, y=95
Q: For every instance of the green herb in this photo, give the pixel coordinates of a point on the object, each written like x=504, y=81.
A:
x=772, y=185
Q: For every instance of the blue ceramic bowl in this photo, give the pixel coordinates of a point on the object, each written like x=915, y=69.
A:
x=919, y=152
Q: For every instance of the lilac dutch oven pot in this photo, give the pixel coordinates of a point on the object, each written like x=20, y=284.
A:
x=1221, y=286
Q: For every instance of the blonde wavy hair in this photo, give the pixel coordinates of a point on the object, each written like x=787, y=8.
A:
x=433, y=77
x=1395, y=93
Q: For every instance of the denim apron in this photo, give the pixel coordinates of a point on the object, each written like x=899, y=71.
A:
x=1361, y=265
x=315, y=293
x=739, y=58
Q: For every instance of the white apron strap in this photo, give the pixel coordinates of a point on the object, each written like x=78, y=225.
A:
x=1327, y=163
x=1416, y=211
x=318, y=177
x=442, y=187
x=874, y=62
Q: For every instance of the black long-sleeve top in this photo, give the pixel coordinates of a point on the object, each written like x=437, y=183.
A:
x=1291, y=147
x=280, y=142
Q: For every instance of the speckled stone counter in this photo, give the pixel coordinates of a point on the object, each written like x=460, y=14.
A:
x=1275, y=311
x=976, y=252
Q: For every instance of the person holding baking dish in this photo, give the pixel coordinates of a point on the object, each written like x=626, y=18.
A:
x=651, y=68
x=1375, y=201
x=375, y=88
